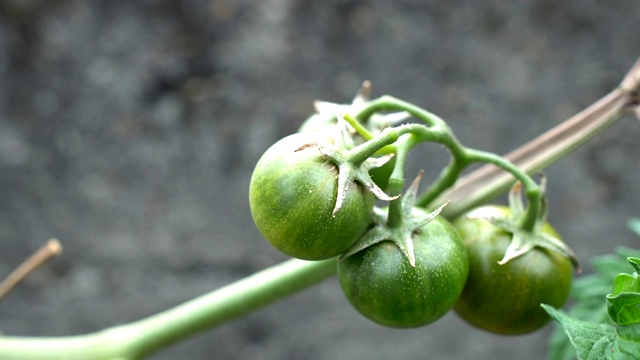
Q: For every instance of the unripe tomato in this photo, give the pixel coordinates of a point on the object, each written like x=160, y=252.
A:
x=382, y=285
x=505, y=299
x=292, y=194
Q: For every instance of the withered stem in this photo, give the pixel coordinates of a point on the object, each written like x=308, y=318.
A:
x=50, y=249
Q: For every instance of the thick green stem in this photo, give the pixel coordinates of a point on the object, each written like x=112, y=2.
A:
x=362, y=152
x=229, y=302
x=109, y=344
x=395, y=216
x=143, y=337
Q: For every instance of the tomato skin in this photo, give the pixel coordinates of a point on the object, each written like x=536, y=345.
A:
x=381, y=284
x=292, y=195
x=505, y=299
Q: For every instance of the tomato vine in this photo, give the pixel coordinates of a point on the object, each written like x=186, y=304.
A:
x=396, y=228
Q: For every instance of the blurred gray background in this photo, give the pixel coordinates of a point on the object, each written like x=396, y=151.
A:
x=129, y=131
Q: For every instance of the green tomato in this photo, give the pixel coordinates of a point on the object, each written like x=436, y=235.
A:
x=382, y=285
x=505, y=299
x=292, y=195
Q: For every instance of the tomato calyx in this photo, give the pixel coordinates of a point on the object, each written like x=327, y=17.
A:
x=348, y=170
x=524, y=240
x=403, y=232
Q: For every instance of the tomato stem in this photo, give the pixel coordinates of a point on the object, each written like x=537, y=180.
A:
x=390, y=103
x=141, y=338
x=396, y=180
x=388, y=136
x=438, y=131
x=366, y=134
x=362, y=152
x=532, y=190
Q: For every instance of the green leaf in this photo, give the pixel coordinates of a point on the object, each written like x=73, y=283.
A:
x=593, y=310
x=560, y=347
x=592, y=341
x=623, y=304
x=629, y=341
x=589, y=294
x=624, y=309
x=625, y=283
x=600, y=340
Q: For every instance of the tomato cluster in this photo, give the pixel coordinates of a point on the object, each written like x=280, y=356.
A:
x=293, y=196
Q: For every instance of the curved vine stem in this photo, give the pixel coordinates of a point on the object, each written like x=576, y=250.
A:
x=437, y=131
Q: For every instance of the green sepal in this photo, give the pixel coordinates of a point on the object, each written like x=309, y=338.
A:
x=348, y=171
x=402, y=234
x=524, y=240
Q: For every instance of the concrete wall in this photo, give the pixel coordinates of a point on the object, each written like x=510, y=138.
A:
x=129, y=131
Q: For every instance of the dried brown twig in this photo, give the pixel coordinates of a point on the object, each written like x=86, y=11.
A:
x=47, y=251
